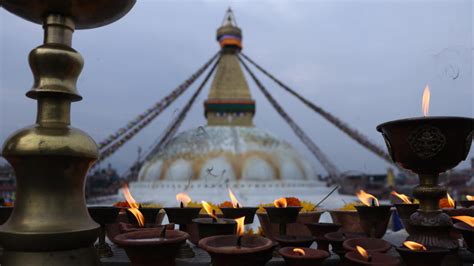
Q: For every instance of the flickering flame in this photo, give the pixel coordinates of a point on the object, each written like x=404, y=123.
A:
x=133, y=206
x=208, y=209
x=414, y=245
x=299, y=251
x=451, y=203
x=183, y=198
x=465, y=219
x=468, y=197
x=240, y=225
x=367, y=198
x=280, y=203
x=425, y=106
x=235, y=202
x=363, y=252
x=403, y=197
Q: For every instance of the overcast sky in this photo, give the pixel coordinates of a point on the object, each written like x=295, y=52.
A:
x=365, y=62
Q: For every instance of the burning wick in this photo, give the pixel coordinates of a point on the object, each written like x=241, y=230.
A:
x=364, y=253
x=465, y=219
x=214, y=217
x=210, y=211
x=235, y=202
x=414, y=246
x=183, y=199
x=299, y=251
x=425, y=104
x=403, y=197
x=280, y=203
x=240, y=230
x=470, y=198
x=367, y=199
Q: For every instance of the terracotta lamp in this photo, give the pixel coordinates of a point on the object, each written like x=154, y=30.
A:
x=429, y=146
x=416, y=254
x=214, y=226
x=369, y=244
x=183, y=216
x=303, y=256
x=103, y=215
x=336, y=239
x=228, y=250
x=364, y=257
x=318, y=230
x=374, y=217
x=152, y=246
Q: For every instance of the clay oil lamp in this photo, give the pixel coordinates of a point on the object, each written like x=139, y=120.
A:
x=319, y=230
x=405, y=210
x=238, y=249
x=303, y=256
x=103, y=215
x=466, y=227
x=336, y=239
x=370, y=244
x=183, y=216
x=5, y=212
x=416, y=254
x=152, y=246
x=214, y=226
x=363, y=257
x=468, y=202
x=449, y=206
x=374, y=217
x=237, y=210
x=429, y=146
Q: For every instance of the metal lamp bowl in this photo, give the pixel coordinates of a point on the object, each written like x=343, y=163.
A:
x=86, y=14
x=404, y=211
x=149, y=213
x=428, y=145
x=103, y=214
x=183, y=216
x=467, y=233
x=234, y=213
x=283, y=215
x=374, y=219
x=208, y=227
x=466, y=203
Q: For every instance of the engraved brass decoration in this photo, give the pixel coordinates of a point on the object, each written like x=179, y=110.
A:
x=427, y=141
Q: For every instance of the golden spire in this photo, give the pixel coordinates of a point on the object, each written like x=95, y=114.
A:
x=229, y=101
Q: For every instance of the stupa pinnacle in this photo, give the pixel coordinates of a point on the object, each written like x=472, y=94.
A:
x=229, y=101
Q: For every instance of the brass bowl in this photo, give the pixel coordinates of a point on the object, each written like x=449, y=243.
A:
x=349, y=220
x=86, y=14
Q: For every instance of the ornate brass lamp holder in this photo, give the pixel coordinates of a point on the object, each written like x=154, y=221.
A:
x=50, y=224
x=429, y=146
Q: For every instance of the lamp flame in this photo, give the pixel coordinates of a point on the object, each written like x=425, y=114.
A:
x=414, y=245
x=183, y=198
x=280, y=203
x=235, y=202
x=425, y=106
x=465, y=219
x=133, y=206
x=367, y=199
x=208, y=209
x=469, y=197
x=451, y=202
x=240, y=225
x=403, y=197
x=299, y=251
x=363, y=252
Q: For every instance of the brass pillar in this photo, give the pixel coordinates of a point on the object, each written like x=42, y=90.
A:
x=50, y=224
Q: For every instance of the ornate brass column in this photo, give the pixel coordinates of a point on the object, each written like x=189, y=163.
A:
x=50, y=224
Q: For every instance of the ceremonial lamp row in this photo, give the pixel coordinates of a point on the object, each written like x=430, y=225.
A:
x=50, y=222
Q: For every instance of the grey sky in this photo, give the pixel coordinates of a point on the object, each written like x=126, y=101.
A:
x=366, y=62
